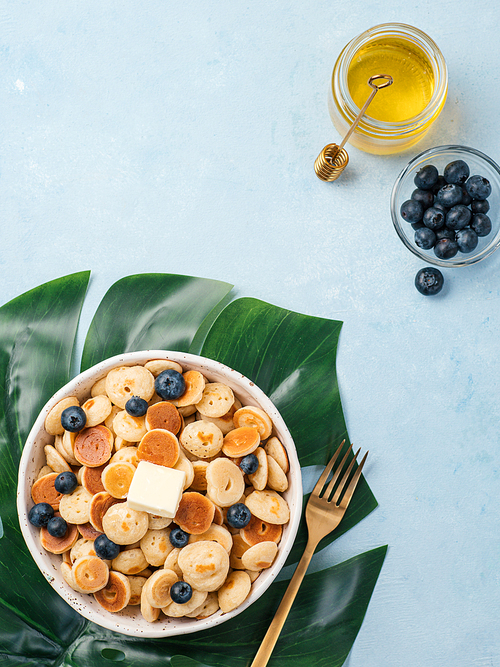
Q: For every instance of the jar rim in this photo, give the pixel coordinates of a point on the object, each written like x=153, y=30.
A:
x=431, y=50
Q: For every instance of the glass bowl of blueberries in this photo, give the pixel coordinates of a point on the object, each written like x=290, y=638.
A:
x=445, y=204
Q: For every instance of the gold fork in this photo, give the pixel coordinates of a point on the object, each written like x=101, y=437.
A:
x=324, y=512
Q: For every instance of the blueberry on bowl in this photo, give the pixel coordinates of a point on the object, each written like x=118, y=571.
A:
x=467, y=194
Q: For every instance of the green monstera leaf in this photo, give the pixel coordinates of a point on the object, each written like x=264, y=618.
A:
x=289, y=355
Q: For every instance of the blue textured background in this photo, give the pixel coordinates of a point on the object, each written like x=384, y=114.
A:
x=180, y=137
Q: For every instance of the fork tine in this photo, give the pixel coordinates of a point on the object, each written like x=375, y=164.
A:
x=343, y=482
x=324, y=475
x=352, y=486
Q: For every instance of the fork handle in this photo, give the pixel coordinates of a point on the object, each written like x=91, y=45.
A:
x=271, y=637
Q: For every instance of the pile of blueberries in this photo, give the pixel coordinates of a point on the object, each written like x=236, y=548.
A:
x=448, y=212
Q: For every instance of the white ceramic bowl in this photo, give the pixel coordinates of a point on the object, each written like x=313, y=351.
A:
x=130, y=621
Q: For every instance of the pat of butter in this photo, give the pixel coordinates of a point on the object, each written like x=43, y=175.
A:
x=156, y=489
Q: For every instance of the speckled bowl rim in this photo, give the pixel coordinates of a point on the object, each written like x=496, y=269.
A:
x=460, y=152
x=131, y=622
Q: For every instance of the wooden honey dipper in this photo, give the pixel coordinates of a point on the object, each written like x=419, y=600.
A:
x=333, y=159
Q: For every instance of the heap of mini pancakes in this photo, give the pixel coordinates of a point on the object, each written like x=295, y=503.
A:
x=204, y=433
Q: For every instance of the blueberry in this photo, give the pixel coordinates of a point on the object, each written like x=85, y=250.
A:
x=425, y=197
x=105, y=548
x=73, y=419
x=170, y=384
x=458, y=217
x=425, y=238
x=412, y=210
x=433, y=218
x=181, y=592
x=238, y=515
x=456, y=172
x=445, y=233
x=478, y=187
x=65, y=482
x=439, y=184
x=40, y=514
x=249, y=464
x=178, y=538
x=466, y=198
x=449, y=195
x=426, y=177
x=440, y=207
x=136, y=406
x=480, y=206
x=429, y=281
x=467, y=240
x=446, y=249
x=481, y=224
x=57, y=527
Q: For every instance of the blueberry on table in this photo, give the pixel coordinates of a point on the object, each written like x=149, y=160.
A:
x=73, y=419
x=65, y=482
x=478, y=187
x=429, y=281
x=480, y=206
x=426, y=177
x=481, y=224
x=105, y=548
x=449, y=195
x=446, y=249
x=181, y=592
x=170, y=384
x=467, y=240
x=136, y=406
x=425, y=238
x=433, y=218
x=456, y=172
x=238, y=515
x=458, y=217
x=425, y=197
x=57, y=526
x=412, y=210
x=249, y=464
x=178, y=537
x=40, y=514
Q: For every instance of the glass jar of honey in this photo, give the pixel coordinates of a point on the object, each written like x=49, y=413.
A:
x=401, y=114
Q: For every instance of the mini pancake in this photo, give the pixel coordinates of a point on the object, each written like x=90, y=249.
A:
x=276, y=478
x=75, y=506
x=90, y=478
x=199, y=482
x=136, y=585
x=195, y=384
x=234, y=590
x=115, y=596
x=179, y=609
x=124, y=525
x=258, y=530
x=268, y=506
x=55, y=460
x=195, y=513
x=255, y=417
x=58, y=545
x=126, y=381
x=97, y=409
x=90, y=573
x=159, y=446
x=93, y=446
x=44, y=491
x=260, y=556
x=149, y=613
x=99, y=505
x=276, y=449
x=225, y=482
x=157, y=587
x=157, y=366
x=88, y=531
x=117, y=477
x=216, y=401
x=241, y=441
x=163, y=415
